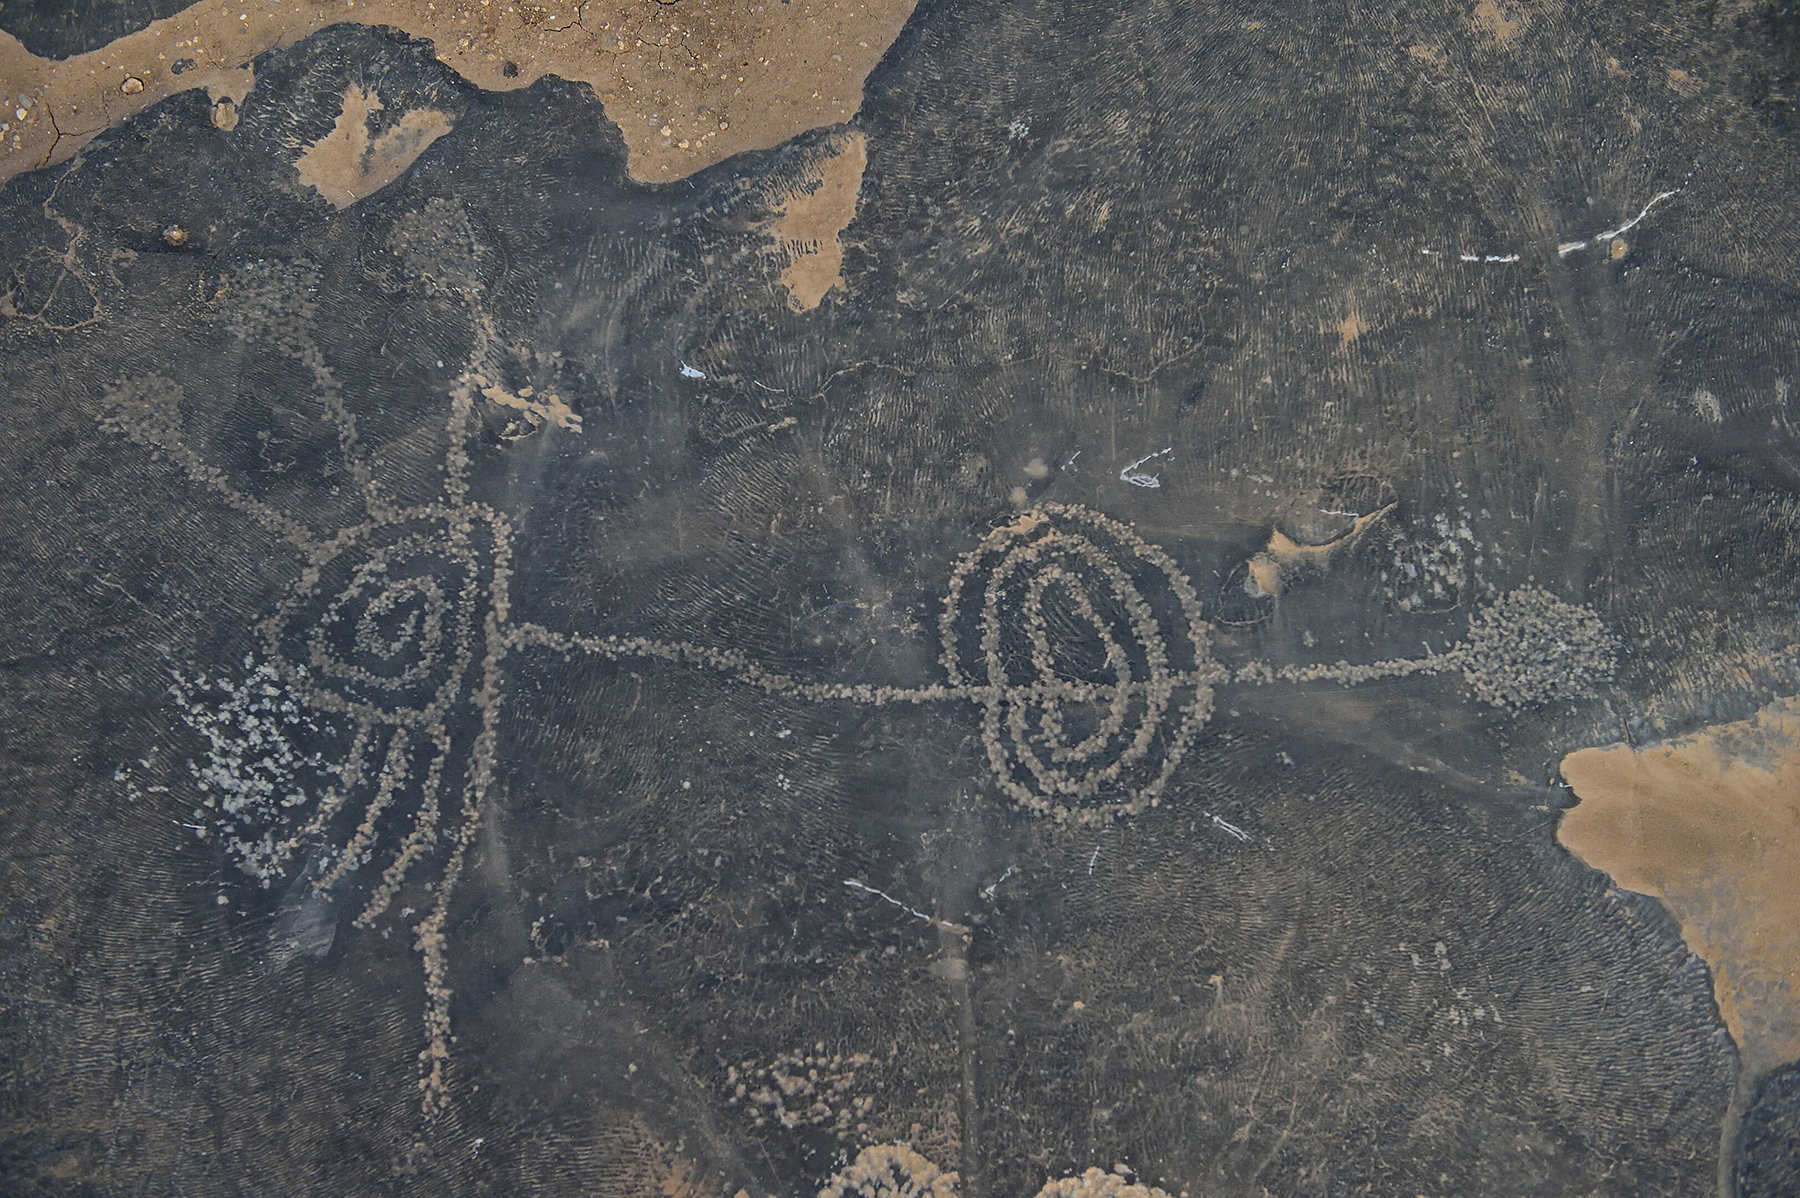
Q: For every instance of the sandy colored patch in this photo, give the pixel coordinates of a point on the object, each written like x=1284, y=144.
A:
x=1710, y=826
x=689, y=84
x=1283, y=557
x=810, y=219
x=1497, y=21
x=1265, y=574
x=226, y=89
x=1351, y=327
x=537, y=410
x=1685, y=82
x=1431, y=56
x=346, y=165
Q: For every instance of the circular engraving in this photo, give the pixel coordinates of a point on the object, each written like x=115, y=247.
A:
x=1085, y=646
x=382, y=623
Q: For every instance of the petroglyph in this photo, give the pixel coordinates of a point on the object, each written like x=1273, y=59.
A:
x=1082, y=646
x=393, y=625
x=1109, y=578
x=1525, y=649
x=1082, y=729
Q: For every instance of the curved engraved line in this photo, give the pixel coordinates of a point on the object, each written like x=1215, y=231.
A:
x=394, y=770
x=372, y=572
x=430, y=936
x=457, y=516
x=214, y=479
x=331, y=395
x=1148, y=637
x=370, y=639
x=1146, y=632
x=454, y=527
x=1044, y=535
x=1044, y=664
x=424, y=832
x=999, y=538
x=335, y=797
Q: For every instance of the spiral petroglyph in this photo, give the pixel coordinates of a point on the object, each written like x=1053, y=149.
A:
x=382, y=624
x=392, y=627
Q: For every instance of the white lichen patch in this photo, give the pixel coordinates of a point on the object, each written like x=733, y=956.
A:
x=253, y=772
x=1436, y=568
x=1706, y=406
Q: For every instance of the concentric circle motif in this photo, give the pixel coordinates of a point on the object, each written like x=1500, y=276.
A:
x=384, y=621
x=1085, y=646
